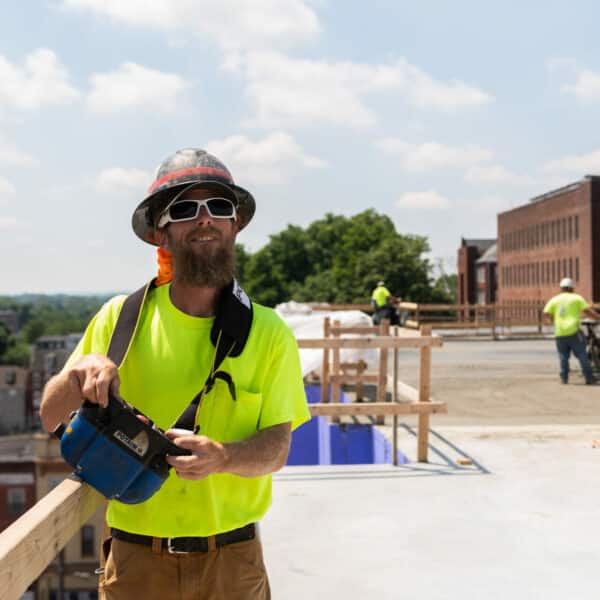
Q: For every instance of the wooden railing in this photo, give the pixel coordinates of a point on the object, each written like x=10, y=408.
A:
x=32, y=542
x=492, y=317
x=416, y=401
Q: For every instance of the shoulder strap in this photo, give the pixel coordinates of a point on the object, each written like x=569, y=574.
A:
x=125, y=328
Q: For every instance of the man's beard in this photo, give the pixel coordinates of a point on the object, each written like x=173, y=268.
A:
x=214, y=267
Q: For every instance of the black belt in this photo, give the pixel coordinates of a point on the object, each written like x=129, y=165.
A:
x=183, y=545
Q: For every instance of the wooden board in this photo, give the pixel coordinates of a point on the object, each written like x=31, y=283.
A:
x=29, y=545
x=376, y=408
x=371, y=342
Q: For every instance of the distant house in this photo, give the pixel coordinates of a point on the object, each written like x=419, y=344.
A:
x=476, y=282
x=16, y=406
x=49, y=354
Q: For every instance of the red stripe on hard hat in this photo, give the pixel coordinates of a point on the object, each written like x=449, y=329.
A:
x=193, y=171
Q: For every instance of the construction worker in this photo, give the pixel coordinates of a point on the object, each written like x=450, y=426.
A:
x=565, y=310
x=197, y=536
x=383, y=304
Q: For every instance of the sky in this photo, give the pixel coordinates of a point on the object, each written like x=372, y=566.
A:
x=438, y=114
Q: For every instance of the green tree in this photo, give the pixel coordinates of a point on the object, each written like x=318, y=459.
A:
x=339, y=259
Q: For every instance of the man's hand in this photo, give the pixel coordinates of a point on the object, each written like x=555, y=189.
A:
x=207, y=455
x=265, y=452
x=95, y=375
x=90, y=378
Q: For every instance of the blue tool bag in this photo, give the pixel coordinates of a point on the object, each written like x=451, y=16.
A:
x=116, y=452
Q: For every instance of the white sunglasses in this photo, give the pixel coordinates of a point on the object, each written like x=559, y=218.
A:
x=189, y=209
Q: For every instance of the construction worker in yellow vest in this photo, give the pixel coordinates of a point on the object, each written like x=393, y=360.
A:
x=383, y=303
x=565, y=310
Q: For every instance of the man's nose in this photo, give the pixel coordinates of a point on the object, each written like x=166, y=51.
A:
x=203, y=216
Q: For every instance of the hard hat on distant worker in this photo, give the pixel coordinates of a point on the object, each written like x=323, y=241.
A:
x=381, y=282
x=188, y=168
x=566, y=282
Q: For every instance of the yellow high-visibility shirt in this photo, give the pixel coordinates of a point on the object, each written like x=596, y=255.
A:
x=166, y=366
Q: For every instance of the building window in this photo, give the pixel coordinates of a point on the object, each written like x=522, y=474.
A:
x=87, y=540
x=10, y=377
x=564, y=269
x=577, y=268
x=553, y=271
x=570, y=228
x=571, y=268
x=576, y=227
x=481, y=274
x=564, y=230
x=15, y=501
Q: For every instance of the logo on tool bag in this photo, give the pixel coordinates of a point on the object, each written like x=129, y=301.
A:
x=139, y=444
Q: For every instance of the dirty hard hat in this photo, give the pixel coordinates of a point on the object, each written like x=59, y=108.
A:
x=188, y=168
x=566, y=282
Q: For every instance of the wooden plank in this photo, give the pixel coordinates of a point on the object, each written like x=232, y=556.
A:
x=336, y=389
x=334, y=307
x=29, y=545
x=424, y=394
x=384, y=330
x=325, y=363
x=408, y=305
x=352, y=378
x=376, y=408
x=371, y=342
x=364, y=330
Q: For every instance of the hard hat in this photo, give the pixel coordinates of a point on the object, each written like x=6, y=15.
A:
x=566, y=282
x=381, y=282
x=183, y=169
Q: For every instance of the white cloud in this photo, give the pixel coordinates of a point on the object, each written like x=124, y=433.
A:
x=41, y=81
x=7, y=189
x=433, y=155
x=428, y=200
x=233, y=24
x=274, y=159
x=134, y=87
x=496, y=175
x=285, y=91
x=11, y=155
x=586, y=87
x=583, y=164
x=118, y=179
x=8, y=223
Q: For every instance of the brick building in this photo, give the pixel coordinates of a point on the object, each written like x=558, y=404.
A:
x=549, y=238
x=30, y=466
x=476, y=279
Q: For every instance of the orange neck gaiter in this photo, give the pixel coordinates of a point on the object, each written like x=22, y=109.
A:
x=165, y=267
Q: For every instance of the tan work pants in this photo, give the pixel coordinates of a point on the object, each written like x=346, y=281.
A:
x=137, y=572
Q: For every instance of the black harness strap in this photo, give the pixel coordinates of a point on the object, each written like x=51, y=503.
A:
x=126, y=325
x=229, y=335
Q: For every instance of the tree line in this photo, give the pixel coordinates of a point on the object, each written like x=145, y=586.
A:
x=336, y=259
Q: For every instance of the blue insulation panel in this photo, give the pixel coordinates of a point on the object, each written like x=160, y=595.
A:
x=319, y=442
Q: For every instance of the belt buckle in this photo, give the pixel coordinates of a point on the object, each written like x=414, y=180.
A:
x=172, y=550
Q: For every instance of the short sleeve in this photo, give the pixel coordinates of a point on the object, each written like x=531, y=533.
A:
x=284, y=398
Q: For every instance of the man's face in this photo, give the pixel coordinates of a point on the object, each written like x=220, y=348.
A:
x=203, y=249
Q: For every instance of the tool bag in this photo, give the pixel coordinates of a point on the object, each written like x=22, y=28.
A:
x=112, y=449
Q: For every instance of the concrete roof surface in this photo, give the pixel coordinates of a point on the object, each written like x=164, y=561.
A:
x=521, y=522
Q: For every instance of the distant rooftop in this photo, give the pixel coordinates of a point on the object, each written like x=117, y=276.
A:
x=482, y=244
x=489, y=256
